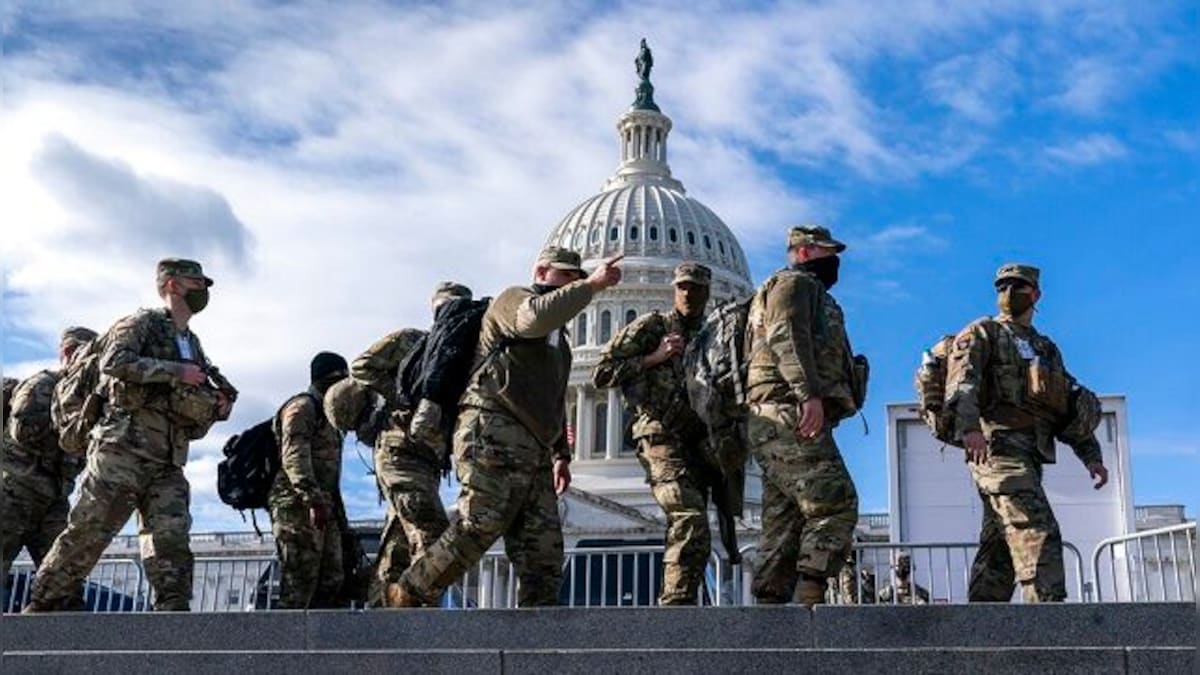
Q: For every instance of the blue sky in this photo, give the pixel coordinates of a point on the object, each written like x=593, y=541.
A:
x=330, y=163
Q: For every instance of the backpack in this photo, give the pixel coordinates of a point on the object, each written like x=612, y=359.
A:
x=440, y=366
x=76, y=403
x=930, y=383
x=252, y=460
x=715, y=366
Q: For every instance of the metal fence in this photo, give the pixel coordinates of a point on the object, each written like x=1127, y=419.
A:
x=114, y=585
x=627, y=576
x=235, y=584
x=1157, y=565
x=1152, y=566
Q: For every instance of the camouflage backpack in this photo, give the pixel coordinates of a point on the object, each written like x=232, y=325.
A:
x=930, y=382
x=76, y=404
x=716, y=365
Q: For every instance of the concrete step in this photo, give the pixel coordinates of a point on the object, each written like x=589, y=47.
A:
x=1114, y=638
x=1008, y=660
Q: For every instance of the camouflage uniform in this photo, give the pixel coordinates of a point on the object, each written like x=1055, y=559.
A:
x=310, y=559
x=36, y=476
x=904, y=593
x=135, y=459
x=810, y=507
x=670, y=439
x=407, y=472
x=510, y=429
x=987, y=388
x=903, y=590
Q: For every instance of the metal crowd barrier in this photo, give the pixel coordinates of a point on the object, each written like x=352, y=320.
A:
x=235, y=584
x=114, y=585
x=941, y=569
x=1152, y=566
x=625, y=576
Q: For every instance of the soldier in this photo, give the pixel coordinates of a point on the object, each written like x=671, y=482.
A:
x=305, y=500
x=856, y=590
x=645, y=359
x=800, y=384
x=36, y=476
x=406, y=468
x=1011, y=396
x=903, y=591
x=161, y=393
x=512, y=456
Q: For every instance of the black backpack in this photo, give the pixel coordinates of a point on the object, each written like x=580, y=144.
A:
x=440, y=366
x=251, y=462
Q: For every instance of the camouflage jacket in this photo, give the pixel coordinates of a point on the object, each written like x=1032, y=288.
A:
x=988, y=386
x=377, y=366
x=907, y=594
x=310, y=453
x=140, y=369
x=799, y=348
x=659, y=394
x=35, y=440
x=528, y=359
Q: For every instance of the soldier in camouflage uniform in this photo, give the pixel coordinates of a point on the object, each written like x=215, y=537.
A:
x=36, y=476
x=1011, y=396
x=406, y=469
x=509, y=442
x=305, y=500
x=800, y=386
x=645, y=359
x=904, y=591
x=161, y=393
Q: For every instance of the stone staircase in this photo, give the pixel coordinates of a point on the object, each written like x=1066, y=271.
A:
x=1060, y=639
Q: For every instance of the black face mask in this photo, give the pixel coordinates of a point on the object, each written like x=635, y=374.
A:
x=825, y=269
x=543, y=289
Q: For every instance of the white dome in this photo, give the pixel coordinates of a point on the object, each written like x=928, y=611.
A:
x=644, y=213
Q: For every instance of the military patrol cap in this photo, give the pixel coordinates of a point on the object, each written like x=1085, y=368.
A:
x=448, y=290
x=1027, y=273
x=560, y=259
x=693, y=272
x=813, y=235
x=75, y=336
x=181, y=267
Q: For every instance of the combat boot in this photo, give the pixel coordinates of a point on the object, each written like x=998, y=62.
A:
x=810, y=591
x=397, y=595
x=40, y=607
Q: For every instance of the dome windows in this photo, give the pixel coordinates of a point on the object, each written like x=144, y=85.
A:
x=633, y=233
x=581, y=330
x=673, y=235
x=605, y=327
x=707, y=242
x=630, y=316
x=653, y=233
x=721, y=246
x=691, y=238
x=596, y=235
x=614, y=233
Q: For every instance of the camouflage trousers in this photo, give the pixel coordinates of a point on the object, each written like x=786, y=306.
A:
x=310, y=560
x=115, y=484
x=408, y=477
x=681, y=492
x=1019, y=540
x=33, y=510
x=507, y=491
x=810, y=506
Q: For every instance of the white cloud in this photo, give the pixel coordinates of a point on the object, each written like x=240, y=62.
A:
x=370, y=151
x=1086, y=151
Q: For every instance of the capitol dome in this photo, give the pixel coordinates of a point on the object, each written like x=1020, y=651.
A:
x=645, y=213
